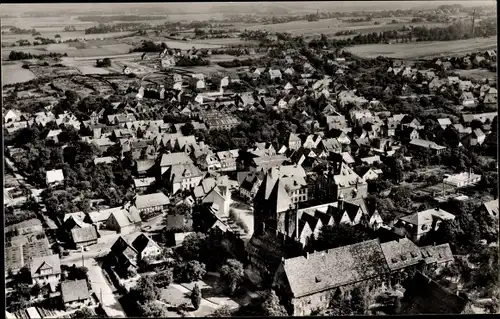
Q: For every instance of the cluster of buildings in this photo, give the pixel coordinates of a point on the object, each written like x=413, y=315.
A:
x=296, y=187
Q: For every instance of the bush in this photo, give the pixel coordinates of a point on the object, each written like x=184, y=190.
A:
x=190, y=271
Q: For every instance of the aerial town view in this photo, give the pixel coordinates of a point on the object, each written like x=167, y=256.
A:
x=250, y=159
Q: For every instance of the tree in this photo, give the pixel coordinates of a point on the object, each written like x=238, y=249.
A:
x=271, y=306
x=187, y=129
x=106, y=62
x=84, y=312
x=145, y=290
x=193, y=246
x=223, y=311
x=196, y=297
x=232, y=271
x=337, y=236
x=190, y=271
x=164, y=278
x=153, y=309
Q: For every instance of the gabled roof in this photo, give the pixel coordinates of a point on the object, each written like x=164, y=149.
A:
x=51, y=261
x=492, y=207
x=141, y=242
x=84, y=234
x=337, y=267
x=125, y=218
x=426, y=217
x=74, y=290
x=151, y=200
x=175, y=158
x=279, y=198
x=401, y=253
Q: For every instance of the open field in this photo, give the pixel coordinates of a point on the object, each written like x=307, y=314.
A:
x=478, y=74
x=76, y=49
x=14, y=73
x=424, y=49
x=331, y=26
x=11, y=38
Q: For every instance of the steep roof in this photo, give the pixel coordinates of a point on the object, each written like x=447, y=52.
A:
x=84, y=234
x=141, y=242
x=51, y=260
x=151, y=200
x=492, y=207
x=279, y=197
x=124, y=218
x=175, y=158
x=74, y=290
x=425, y=217
x=328, y=269
x=401, y=253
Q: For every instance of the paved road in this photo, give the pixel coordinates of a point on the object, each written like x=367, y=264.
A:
x=110, y=304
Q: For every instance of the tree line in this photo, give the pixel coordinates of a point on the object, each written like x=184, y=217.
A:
x=20, y=55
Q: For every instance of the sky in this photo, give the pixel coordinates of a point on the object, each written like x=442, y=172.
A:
x=228, y=7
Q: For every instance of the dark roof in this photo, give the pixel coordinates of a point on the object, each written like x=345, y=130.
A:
x=332, y=268
x=84, y=234
x=74, y=290
x=141, y=242
x=425, y=296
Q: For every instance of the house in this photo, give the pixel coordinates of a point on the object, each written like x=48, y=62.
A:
x=123, y=221
x=419, y=143
x=167, y=160
x=227, y=159
x=491, y=97
x=400, y=254
x=417, y=225
x=55, y=177
x=249, y=183
x=490, y=208
x=476, y=137
x=142, y=184
x=311, y=141
x=370, y=160
x=463, y=179
x=75, y=294
x=370, y=174
x=275, y=74
x=331, y=145
x=444, y=122
x=150, y=203
x=467, y=99
x=45, y=270
x=183, y=177
x=306, y=283
x=52, y=135
x=208, y=161
x=294, y=141
x=84, y=236
x=146, y=248
x=408, y=133
x=219, y=197
x=483, y=117
x=33, y=225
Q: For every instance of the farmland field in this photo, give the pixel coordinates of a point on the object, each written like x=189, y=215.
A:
x=14, y=73
x=424, y=49
x=11, y=38
x=478, y=74
x=331, y=26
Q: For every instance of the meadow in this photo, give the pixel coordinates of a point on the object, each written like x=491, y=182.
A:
x=424, y=49
x=14, y=73
x=478, y=74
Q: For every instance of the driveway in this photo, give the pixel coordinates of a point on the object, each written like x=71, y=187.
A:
x=104, y=293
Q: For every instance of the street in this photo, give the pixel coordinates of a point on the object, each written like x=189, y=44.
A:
x=104, y=293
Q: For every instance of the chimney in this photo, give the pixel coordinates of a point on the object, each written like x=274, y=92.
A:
x=263, y=227
x=307, y=255
x=340, y=205
x=470, y=171
x=296, y=225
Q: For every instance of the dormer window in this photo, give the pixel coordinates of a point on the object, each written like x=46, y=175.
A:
x=394, y=260
x=317, y=280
